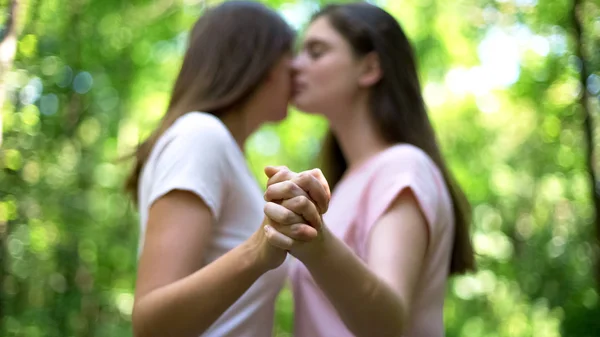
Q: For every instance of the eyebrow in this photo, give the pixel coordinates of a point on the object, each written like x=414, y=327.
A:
x=315, y=41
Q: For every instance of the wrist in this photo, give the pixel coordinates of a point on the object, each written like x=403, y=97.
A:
x=317, y=250
x=253, y=254
x=260, y=254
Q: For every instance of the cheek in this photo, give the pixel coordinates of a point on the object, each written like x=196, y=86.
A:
x=283, y=91
x=332, y=80
x=287, y=84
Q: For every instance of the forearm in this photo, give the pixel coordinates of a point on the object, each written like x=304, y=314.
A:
x=366, y=304
x=189, y=306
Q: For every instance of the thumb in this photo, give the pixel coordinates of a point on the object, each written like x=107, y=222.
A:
x=317, y=173
x=270, y=171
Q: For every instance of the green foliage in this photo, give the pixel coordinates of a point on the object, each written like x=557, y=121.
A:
x=91, y=78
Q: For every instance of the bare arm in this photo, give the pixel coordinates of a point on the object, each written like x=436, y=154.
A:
x=373, y=298
x=175, y=296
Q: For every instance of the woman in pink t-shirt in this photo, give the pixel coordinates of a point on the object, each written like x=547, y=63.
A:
x=397, y=224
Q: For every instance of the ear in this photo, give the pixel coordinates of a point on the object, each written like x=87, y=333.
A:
x=370, y=70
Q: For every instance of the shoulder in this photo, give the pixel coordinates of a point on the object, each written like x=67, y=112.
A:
x=196, y=133
x=392, y=174
x=199, y=126
x=406, y=166
x=403, y=160
x=192, y=155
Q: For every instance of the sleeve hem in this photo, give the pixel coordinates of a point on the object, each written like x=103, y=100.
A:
x=199, y=191
x=396, y=190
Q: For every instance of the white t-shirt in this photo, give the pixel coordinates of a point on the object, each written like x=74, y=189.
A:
x=198, y=154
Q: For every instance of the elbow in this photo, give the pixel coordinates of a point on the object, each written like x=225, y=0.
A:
x=140, y=322
x=147, y=320
x=393, y=323
x=392, y=330
x=393, y=327
x=398, y=325
x=400, y=321
x=398, y=329
x=137, y=322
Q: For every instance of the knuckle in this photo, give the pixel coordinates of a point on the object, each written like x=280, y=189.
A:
x=303, y=233
x=282, y=170
x=271, y=188
x=289, y=217
x=298, y=203
x=288, y=186
x=268, y=194
x=281, y=176
x=269, y=234
x=295, y=189
x=299, y=231
x=289, y=174
x=295, y=230
x=304, y=178
x=303, y=202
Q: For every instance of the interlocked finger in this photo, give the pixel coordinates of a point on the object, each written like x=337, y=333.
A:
x=282, y=215
x=313, y=187
x=283, y=174
x=305, y=208
x=298, y=232
x=277, y=239
x=284, y=190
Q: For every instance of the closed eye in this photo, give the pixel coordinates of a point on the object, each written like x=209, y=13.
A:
x=315, y=49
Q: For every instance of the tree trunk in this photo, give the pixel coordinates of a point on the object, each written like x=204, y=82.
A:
x=8, y=49
x=589, y=130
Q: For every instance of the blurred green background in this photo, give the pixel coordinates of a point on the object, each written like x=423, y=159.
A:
x=88, y=79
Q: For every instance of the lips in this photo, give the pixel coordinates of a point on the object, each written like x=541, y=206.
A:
x=298, y=87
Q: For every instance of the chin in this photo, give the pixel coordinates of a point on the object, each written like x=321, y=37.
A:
x=304, y=107
x=279, y=116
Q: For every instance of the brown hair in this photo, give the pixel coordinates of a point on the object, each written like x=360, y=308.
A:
x=397, y=107
x=232, y=48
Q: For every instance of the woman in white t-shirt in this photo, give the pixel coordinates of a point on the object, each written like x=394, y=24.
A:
x=205, y=266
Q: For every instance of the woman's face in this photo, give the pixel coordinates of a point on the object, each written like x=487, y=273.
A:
x=326, y=72
x=273, y=96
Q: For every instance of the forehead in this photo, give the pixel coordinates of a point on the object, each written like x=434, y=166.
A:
x=321, y=31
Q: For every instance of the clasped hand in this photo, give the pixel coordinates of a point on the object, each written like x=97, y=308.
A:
x=294, y=208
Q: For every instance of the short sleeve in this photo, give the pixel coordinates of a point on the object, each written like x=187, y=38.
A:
x=193, y=157
x=400, y=170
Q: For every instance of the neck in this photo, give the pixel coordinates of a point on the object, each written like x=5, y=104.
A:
x=235, y=121
x=357, y=135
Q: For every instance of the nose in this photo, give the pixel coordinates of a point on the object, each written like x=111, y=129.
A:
x=297, y=63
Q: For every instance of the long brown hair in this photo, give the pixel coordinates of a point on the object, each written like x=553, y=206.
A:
x=232, y=48
x=397, y=107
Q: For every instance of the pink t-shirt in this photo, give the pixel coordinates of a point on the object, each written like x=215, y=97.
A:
x=356, y=204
